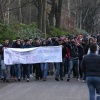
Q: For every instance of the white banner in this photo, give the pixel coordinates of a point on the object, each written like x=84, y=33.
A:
x=32, y=55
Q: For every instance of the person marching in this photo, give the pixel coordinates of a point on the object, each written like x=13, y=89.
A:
x=91, y=66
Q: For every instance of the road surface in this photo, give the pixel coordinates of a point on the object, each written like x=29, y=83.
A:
x=39, y=90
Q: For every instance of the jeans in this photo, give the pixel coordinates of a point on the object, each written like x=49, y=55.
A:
x=25, y=70
x=12, y=70
x=73, y=63
x=80, y=70
x=57, y=66
x=66, y=65
x=61, y=70
x=38, y=71
x=0, y=71
x=28, y=67
x=84, y=76
x=44, y=68
x=5, y=70
x=18, y=70
x=93, y=85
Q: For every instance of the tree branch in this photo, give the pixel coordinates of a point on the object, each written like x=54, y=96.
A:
x=18, y=7
x=86, y=14
x=35, y=3
x=10, y=3
x=4, y=3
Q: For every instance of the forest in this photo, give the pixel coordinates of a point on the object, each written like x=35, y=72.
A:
x=36, y=18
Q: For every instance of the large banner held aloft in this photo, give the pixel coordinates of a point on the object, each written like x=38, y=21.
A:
x=32, y=55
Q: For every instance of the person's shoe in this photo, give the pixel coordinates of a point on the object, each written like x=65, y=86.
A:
x=36, y=79
x=44, y=79
x=41, y=78
x=11, y=77
x=34, y=75
x=4, y=79
x=1, y=78
x=19, y=79
x=52, y=73
x=27, y=80
x=78, y=79
x=31, y=75
x=84, y=81
x=74, y=76
x=57, y=79
x=61, y=79
x=7, y=81
x=68, y=79
x=15, y=79
x=23, y=78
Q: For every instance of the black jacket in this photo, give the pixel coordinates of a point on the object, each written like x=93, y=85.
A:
x=15, y=45
x=27, y=46
x=80, y=51
x=74, y=50
x=2, y=52
x=56, y=43
x=91, y=65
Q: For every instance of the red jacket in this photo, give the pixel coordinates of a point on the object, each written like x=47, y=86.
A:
x=67, y=54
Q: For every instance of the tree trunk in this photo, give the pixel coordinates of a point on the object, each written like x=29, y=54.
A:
x=40, y=13
x=69, y=12
x=76, y=14
x=58, y=13
x=8, y=19
x=20, y=11
x=1, y=14
x=52, y=13
x=30, y=13
x=80, y=15
x=44, y=17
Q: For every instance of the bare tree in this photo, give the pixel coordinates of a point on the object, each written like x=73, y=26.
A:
x=20, y=10
x=44, y=17
x=40, y=13
x=58, y=13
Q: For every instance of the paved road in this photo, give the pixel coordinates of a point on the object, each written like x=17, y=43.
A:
x=39, y=90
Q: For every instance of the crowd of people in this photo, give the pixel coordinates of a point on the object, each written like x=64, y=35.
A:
x=73, y=50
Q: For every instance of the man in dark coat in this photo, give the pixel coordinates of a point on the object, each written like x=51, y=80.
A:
x=5, y=69
x=91, y=67
x=17, y=67
x=26, y=67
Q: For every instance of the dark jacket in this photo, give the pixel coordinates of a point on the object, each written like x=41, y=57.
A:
x=80, y=51
x=91, y=65
x=86, y=48
x=50, y=43
x=73, y=50
x=15, y=45
x=27, y=46
x=66, y=51
x=2, y=52
x=56, y=43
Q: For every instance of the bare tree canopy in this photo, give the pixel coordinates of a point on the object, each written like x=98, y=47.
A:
x=69, y=14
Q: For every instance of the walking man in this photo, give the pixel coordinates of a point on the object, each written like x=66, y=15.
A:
x=91, y=67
